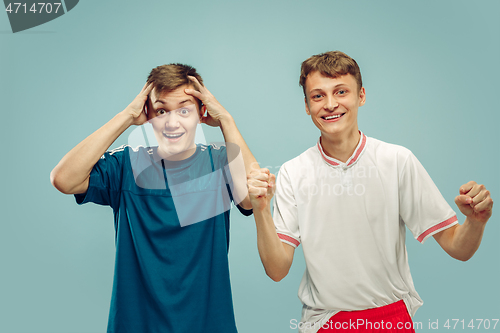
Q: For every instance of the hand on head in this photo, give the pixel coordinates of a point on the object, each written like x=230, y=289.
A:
x=215, y=111
x=138, y=108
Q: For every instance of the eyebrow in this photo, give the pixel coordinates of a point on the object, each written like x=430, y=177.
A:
x=335, y=87
x=164, y=102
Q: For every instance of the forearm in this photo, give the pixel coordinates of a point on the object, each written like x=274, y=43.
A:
x=465, y=239
x=75, y=167
x=233, y=136
x=272, y=253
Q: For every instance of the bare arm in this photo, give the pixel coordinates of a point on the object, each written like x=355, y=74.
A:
x=217, y=115
x=276, y=256
x=462, y=241
x=71, y=174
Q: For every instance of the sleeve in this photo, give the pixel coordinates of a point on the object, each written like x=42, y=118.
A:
x=421, y=206
x=105, y=180
x=220, y=156
x=285, y=210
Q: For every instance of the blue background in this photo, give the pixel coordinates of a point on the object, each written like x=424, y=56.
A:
x=431, y=72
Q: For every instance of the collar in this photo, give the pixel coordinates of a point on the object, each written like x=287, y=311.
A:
x=360, y=148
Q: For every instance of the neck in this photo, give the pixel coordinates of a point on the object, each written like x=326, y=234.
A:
x=177, y=157
x=340, y=147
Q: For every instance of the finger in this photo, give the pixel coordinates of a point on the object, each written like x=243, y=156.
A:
x=465, y=188
x=259, y=171
x=195, y=81
x=481, y=196
x=144, y=87
x=194, y=93
x=463, y=200
x=257, y=183
x=272, y=180
x=147, y=88
x=483, y=206
x=475, y=190
x=257, y=191
x=259, y=176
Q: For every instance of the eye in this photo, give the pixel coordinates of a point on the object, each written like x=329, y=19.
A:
x=184, y=111
x=341, y=92
x=316, y=96
x=161, y=111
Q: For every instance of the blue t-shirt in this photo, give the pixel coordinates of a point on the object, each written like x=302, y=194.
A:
x=171, y=266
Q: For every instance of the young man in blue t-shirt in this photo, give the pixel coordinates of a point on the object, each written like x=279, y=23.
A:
x=171, y=205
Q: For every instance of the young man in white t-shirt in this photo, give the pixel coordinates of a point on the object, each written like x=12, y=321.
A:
x=348, y=200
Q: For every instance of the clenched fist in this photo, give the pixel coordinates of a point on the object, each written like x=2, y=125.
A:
x=475, y=202
x=261, y=187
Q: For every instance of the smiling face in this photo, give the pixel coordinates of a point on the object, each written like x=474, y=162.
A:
x=174, y=116
x=333, y=104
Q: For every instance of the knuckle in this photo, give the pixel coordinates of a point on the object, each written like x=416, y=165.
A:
x=482, y=187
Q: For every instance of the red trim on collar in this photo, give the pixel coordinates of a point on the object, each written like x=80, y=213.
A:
x=326, y=158
x=360, y=149
x=351, y=160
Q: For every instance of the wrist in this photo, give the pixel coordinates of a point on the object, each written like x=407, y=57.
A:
x=471, y=222
x=226, y=121
x=126, y=117
x=261, y=209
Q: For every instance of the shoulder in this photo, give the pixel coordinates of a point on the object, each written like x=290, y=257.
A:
x=217, y=151
x=117, y=154
x=305, y=160
x=385, y=150
x=213, y=147
x=119, y=150
x=213, y=152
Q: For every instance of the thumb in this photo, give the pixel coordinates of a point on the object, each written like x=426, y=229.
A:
x=463, y=200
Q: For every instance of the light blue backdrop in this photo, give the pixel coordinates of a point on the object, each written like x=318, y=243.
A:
x=430, y=69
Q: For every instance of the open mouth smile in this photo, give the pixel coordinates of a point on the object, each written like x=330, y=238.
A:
x=173, y=137
x=334, y=117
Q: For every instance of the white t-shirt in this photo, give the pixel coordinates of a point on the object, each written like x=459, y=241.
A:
x=350, y=219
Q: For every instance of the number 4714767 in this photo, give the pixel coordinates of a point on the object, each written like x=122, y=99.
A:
x=49, y=7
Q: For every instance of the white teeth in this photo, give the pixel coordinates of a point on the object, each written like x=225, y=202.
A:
x=172, y=136
x=334, y=116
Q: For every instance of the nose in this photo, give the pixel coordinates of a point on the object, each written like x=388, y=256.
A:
x=172, y=120
x=331, y=103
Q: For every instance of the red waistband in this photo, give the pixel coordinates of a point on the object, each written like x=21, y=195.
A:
x=386, y=311
x=388, y=318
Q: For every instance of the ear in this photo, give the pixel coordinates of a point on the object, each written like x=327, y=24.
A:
x=307, y=106
x=202, y=113
x=362, y=96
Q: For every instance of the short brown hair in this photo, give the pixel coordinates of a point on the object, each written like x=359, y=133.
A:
x=169, y=77
x=332, y=64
